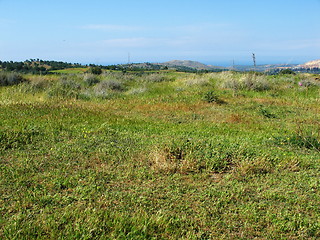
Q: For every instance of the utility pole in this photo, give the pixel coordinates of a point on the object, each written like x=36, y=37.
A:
x=254, y=60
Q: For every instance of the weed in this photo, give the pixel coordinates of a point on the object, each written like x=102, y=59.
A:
x=212, y=97
x=266, y=113
x=301, y=138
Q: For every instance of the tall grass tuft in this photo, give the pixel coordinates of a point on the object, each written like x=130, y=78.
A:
x=66, y=88
x=11, y=78
x=247, y=81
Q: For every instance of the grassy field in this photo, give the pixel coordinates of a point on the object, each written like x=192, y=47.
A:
x=160, y=156
x=71, y=70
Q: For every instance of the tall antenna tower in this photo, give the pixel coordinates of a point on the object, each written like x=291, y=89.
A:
x=128, y=58
x=254, y=60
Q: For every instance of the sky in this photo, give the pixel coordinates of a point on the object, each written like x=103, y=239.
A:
x=115, y=32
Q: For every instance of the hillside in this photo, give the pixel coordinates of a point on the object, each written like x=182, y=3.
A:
x=178, y=65
x=190, y=64
x=310, y=64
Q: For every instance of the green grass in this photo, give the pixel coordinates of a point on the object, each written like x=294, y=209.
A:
x=71, y=70
x=168, y=156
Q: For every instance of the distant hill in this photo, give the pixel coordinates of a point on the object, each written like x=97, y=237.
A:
x=310, y=64
x=177, y=65
x=190, y=64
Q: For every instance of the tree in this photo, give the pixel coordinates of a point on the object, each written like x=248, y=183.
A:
x=287, y=71
x=95, y=70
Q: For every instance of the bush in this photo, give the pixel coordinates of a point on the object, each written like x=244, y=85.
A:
x=36, y=85
x=91, y=79
x=198, y=81
x=255, y=83
x=110, y=85
x=95, y=70
x=248, y=82
x=211, y=97
x=9, y=79
x=287, y=71
x=65, y=88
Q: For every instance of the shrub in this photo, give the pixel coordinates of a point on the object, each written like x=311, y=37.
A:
x=95, y=70
x=199, y=81
x=211, y=97
x=287, y=71
x=110, y=85
x=248, y=82
x=65, y=88
x=37, y=85
x=255, y=83
x=91, y=79
x=139, y=90
x=9, y=79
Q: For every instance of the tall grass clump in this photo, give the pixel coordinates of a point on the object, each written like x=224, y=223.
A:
x=65, y=88
x=247, y=81
x=37, y=85
x=11, y=78
x=212, y=97
x=200, y=81
x=157, y=77
x=91, y=79
x=307, y=139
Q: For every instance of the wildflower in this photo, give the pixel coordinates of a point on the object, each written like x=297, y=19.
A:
x=300, y=84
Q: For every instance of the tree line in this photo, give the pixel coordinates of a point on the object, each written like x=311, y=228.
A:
x=36, y=66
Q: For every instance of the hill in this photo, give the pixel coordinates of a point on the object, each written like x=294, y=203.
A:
x=310, y=64
x=178, y=65
x=190, y=64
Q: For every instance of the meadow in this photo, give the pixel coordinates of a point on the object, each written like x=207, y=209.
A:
x=161, y=155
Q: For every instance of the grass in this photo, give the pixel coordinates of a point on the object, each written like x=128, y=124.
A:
x=71, y=70
x=158, y=157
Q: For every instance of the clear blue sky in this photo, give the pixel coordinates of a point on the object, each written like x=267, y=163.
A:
x=209, y=31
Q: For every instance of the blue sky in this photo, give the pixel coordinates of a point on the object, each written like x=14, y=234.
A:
x=213, y=32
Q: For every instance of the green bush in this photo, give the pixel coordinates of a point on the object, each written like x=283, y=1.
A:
x=10, y=78
x=250, y=81
x=287, y=71
x=211, y=97
x=110, y=85
x=90, y=79
x=67, y=88
x=95, y=70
